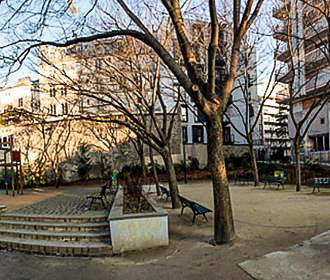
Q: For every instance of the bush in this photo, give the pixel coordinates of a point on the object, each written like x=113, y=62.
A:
x=132, y=169
x=194, y=164
x=233, y=162
x=84, y=165
x=160, y=168
x=178, y=167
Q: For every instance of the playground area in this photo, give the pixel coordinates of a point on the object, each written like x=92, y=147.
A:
x=266, y=220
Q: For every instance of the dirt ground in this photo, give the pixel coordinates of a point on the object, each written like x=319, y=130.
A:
x=265, y=221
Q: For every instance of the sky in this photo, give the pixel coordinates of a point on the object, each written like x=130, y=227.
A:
x=63, y=22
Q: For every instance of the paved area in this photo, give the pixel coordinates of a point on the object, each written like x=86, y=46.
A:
x=66, y=200
x=305, y=261
x=266, y=221
x=72, y=202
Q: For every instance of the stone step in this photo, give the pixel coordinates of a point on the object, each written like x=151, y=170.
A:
x=57, y=248
x=53, y=235
x=57, y=227
x=53, y=218
x=3, y=208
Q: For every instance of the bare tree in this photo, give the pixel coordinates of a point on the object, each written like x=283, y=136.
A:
x=247, y=105
x=203, y=91
x=307, y=55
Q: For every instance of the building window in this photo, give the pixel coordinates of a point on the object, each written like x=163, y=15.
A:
x=322, y=121
x=198, y=133
x=65, y=109
x=98, y=64
x=199, y=116
x=320, y=142
x=184, y=134
x=5, y=143
x=184, y=113
x=53, y=109
x=20, y=102
x=63, y=91
x=52, y=91
x=227, y=135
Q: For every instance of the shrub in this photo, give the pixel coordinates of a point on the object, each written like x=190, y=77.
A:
x=194, y=164
x=84, y=165
x=130, y=170
x=178, y=167
x=233, y=162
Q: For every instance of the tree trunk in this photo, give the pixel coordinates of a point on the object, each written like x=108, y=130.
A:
x=172, y=182
x=139, y=148
x=297, y=165
x=142, y=160
x=224, y=231
x=254, y=164
x=154, y=171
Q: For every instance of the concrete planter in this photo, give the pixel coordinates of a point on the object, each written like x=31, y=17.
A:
x=137, y=231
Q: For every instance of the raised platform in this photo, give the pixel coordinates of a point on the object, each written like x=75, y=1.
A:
x=61, y=225
x=56, y=235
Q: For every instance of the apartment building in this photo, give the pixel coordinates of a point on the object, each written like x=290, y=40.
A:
x=274, y=122
x=22, y=95
x=244, y=100
x=306, y=68
x=77, y=81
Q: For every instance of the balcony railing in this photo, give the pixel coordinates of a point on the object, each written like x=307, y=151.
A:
x=316, y=55
x=322, y=79
x=316, y=28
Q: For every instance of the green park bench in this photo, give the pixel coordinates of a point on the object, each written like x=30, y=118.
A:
x=277, y=179
x=164, y=191
x=321, y=183
x=196, y=208
x=99, y=196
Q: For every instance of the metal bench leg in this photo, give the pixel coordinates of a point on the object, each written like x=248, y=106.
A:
x=90, y=205
x=103, y=204
x=205, y=217
x=193, y=220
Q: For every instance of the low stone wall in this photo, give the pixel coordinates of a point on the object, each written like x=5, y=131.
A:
x=137, y=231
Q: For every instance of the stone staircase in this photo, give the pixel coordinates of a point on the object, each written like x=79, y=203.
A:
x=56, y=235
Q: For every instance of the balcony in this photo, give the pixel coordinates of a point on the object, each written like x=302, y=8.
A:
x=281, y=10
x=281, y=32
x=321, y=80
x=316, y=28
x=282, y=74
x=314, y=63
